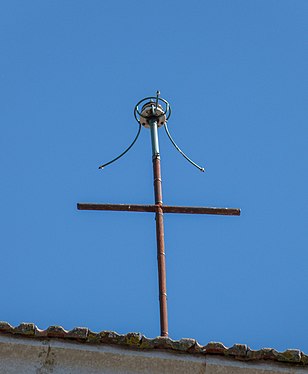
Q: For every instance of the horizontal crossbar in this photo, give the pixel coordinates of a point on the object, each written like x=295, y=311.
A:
x=165, y=208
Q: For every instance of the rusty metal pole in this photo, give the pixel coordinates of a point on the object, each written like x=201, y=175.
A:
x=159, y=217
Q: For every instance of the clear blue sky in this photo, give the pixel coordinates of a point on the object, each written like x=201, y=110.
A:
x=235, y=73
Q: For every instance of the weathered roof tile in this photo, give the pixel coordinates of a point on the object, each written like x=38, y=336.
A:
x=111, y=337
x=25, y=329
x=133, y=339
x=56, y=332
x=215, y=348
x=238, y=350
x=78, y=333
x=263, y=354
x=5, y=327
x=184, y=344
x=304, y=358
x=93, y=337
x=290, y=355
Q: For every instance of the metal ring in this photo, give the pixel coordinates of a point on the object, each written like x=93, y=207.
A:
x=166, y=113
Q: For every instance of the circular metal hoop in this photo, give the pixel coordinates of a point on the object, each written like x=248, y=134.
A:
x=167, y=111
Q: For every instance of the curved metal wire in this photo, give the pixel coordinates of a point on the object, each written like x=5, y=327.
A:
x=182, y=153
x=123, y=153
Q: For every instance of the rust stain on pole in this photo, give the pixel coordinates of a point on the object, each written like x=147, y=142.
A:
x=202, y=210
x=161, y=258
x=165, y=208
x=117, y=207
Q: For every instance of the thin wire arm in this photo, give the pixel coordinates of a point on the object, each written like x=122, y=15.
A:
x=122, y=154
x=182, y=153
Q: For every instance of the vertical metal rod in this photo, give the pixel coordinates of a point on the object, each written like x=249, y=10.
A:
x=159, y=217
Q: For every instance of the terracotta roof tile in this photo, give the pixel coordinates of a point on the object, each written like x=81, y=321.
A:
x=138, y=341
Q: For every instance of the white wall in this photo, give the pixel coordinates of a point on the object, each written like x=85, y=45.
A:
x=25, y=356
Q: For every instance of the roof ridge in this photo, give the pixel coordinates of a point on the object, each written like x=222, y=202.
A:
x=138, y=341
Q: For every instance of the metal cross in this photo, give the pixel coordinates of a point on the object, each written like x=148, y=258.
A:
x=154, y=114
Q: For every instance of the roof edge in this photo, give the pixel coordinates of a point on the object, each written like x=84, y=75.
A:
x=138, y=341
